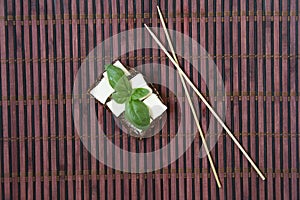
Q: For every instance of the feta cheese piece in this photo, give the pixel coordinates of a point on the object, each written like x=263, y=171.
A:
x=102, y=91
x=116, y=108
x=105, y=74
x=156, y=107
x=138, y=81
x=121, y=66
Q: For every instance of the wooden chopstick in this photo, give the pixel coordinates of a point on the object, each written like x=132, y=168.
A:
x=189, y=100
x=207, y=104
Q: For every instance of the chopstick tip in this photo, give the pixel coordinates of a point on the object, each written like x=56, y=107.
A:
x=147, y=27
x=158, y=9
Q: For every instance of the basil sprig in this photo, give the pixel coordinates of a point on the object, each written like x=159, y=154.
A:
x=136, y=111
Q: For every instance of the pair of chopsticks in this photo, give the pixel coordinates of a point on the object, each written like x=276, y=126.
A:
x=183, y=78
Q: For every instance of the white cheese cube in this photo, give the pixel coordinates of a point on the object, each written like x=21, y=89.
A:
x=105, y=74
x=138, y=81
x=121, y=66
x=102, y=91
x=156, y=107
x=116, y=108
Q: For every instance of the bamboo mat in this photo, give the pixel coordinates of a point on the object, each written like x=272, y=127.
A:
x=255, y=45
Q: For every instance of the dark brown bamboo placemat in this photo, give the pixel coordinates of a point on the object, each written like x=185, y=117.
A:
x=255, y=45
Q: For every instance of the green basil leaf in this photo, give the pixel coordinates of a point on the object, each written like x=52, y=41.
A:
x=114, y=74
x=123, y=85
x=119, y=97
x=139, y=93
x=123, y=90
x=137, y=113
